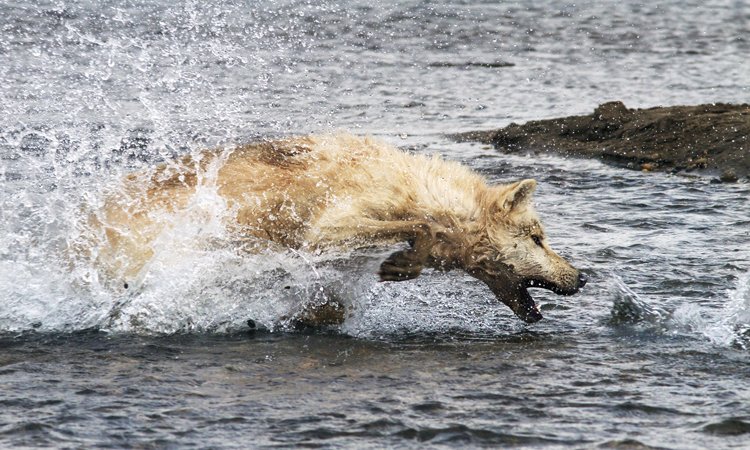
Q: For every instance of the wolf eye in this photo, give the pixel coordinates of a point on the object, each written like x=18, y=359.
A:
x=537, y=239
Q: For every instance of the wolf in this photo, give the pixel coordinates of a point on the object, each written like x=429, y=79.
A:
x=340, y=191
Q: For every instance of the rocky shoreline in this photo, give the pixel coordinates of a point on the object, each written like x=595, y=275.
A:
x=711, y=139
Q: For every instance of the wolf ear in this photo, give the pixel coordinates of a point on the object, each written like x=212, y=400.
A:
x=519, y=194
x=500, y=200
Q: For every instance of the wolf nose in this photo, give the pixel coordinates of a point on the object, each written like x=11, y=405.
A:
x=582, y=279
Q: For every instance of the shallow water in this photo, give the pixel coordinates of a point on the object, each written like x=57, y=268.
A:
x=654, y=350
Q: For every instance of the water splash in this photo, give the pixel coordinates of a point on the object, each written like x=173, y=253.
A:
x=725, y=327
x=731, y=326
x=630, y=307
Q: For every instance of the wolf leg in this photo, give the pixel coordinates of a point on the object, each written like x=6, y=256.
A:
x=407, y=264
x=401, y=265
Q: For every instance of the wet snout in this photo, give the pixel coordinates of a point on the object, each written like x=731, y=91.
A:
x=567, y=285
x=560, y=277
x=580, y=281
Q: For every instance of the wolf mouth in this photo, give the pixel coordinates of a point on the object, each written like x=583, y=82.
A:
x=513, y=292
x=537, y=283
x=524, y=305
x=526, y=309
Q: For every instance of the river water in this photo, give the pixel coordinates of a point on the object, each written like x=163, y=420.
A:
x=653, y=353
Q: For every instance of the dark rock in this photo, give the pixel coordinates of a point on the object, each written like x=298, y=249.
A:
x=711, y=138
x=729, y=176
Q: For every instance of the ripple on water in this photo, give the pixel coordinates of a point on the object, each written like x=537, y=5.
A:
x=733, y=426
x=627, y=444
x=399, y=431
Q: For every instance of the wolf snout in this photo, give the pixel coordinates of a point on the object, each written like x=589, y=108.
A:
x=580, y=281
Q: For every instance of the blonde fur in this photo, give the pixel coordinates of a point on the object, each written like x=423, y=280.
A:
x=339, y=190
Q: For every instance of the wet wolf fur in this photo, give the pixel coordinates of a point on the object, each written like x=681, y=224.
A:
x=341, y=191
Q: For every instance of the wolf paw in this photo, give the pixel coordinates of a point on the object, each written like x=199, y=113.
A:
x=400, y=266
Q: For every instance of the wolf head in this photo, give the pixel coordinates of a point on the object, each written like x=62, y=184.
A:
x=505, y=247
